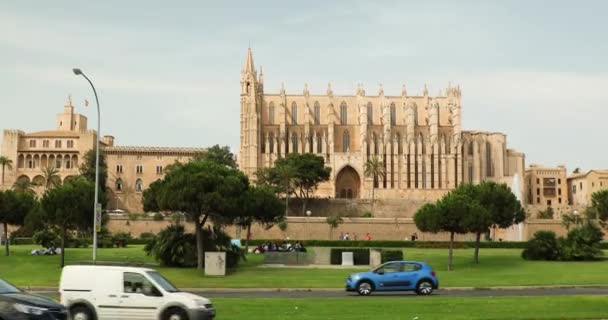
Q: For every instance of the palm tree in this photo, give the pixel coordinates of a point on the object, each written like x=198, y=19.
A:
x=286, y=175
x=374, y=167
x=51, y=176
x=5, y=163
x=24, y=186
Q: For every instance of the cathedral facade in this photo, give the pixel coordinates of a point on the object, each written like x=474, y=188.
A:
x=419, y=139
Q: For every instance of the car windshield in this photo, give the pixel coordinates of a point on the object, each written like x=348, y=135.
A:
x=6, y=287
x=162, y=281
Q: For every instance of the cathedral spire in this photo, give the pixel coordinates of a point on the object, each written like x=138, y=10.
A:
x=249, y=66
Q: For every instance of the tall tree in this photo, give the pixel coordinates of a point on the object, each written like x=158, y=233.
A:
x=308, y=172
x=599, y=206
x=68, y=207
x=51, y=177
x=87, y=170
x=14, y=207
x=6, y=163
x=24, y=186
x=150, y=196
x=260, y=205
x=374, y=167
x=203, y=190
x=219, y=155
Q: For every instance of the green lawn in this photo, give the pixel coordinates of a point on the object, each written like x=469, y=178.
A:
x=498, y=267
x=414, y=307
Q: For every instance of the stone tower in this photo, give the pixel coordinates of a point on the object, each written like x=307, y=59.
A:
x=252, y=91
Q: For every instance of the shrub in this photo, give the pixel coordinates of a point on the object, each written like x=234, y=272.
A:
x=46, y=238
x=147, y=235
x=367, y=214
x=360, y=256
x=391, y=255
x=158, y=217
x=543, y=246
x=583, y=243
x=546, y=214
x=121, y=239
x=134, y=216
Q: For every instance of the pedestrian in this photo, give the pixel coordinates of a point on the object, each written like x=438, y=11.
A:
x=346, y=236
x=355, y=236
x=341, y=235
x=368, y=237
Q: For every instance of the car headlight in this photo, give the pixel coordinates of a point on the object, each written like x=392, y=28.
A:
x=202, y=304
x=27, y=309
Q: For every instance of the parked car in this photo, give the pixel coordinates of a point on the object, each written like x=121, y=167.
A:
x=111, y=292
x=395, y=276
x=17, y=305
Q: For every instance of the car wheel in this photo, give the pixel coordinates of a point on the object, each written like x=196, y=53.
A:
x=175, y=314
x=365, y=288
x=424, y=287
x=81, y=313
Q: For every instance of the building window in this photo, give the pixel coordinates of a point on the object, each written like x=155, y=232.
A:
x=393, y=114
x=294, y=142
x=471, y=148
x=581, y=186
x=559, y=200
x=559, y=192
x=549, y=203
x=559, y=181
x=118, y=184
x=294, y=113
x=470, y=173
x=57, y=143
x=343, y=113
x=159, y=158
x=574, y=189
x=70, y=143
x=68, y=164
x=271, y=142
x=319, y=144
x=139, y=185
x=317, y=113
x=592, y=184
x=139, y=157
x=537, y=181
x=537, y=200
x=345, y=142
x=119, y=168
x=159, y=169
x=538, y=191
x=271, y=113
x=370, y=114
x=45, y=143
x=139, y=169
x=489, y=166
x=32, y=143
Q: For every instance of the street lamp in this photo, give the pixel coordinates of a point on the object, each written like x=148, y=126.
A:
x=97, y=206
x=308, y=213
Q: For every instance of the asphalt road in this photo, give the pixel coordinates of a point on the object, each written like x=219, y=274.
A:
x=439, y=293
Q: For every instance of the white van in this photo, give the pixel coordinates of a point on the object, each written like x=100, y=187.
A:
x=125, y=293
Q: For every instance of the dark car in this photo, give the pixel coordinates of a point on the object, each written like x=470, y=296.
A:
x=17, y=305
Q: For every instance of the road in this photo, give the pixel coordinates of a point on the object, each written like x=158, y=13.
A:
x=226, y=293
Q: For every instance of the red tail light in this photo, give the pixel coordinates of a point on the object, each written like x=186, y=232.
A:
x=433, y=273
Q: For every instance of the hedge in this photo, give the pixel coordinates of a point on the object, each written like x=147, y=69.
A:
x=391, y=255
x=402, y=244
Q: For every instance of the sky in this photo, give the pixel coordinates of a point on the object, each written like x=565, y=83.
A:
x=169, y=75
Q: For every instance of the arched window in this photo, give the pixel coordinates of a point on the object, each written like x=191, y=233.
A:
x=271, y=113
x=118, y=184
x=271, y=142
x=370, y=114
x=294, y=142
x=398, y=136
x=139, y=185
x=345, y=141
x=489, y=166
x=471, y=148
x=393, y=114
x=317, y=113
x=375, y=139
x=343, y=113
x=470, y=173
x=319, y=143
x=294, y=113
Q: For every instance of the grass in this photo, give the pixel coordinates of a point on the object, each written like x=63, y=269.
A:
x=498, y=267
x=413, y=307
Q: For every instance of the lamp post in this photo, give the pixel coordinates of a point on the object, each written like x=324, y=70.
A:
x=96, y=206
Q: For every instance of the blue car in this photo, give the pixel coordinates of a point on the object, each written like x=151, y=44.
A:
x=395, y=276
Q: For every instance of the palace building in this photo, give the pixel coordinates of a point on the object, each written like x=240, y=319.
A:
x=419, y=138
x=130, y=169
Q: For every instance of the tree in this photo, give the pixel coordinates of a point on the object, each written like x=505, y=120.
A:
x=281, y=179
x=68, y=207
x=6, y=163
x=87, y=170
x=448, y=215
x=334, y=220
x=219, y=155
x=502, y=206
x=546, y=214
x=14, y=207
x=202, y=190
x=599, y=205
x=569, y=220
x=308, y=171
x=260, y=205
x=150, y=196
x=51, y=177
x=24, y=186
x=374, y=167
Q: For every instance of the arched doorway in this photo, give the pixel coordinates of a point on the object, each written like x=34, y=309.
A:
x=347, y=183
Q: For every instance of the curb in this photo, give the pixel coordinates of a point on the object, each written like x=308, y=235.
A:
x=253, y=290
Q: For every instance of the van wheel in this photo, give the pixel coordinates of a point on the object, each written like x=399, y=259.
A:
x=81, y=313
x=175, y=314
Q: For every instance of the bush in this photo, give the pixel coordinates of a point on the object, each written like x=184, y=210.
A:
x=360, y=256
x=158, y=217
x=121, y=239
x=134, y=216
x=391, y=255
x=367, y=214
x=583, y=243
x=146, y=235
x=546, y=214
x=46, y=238
x=77, y=243
x=543, y=246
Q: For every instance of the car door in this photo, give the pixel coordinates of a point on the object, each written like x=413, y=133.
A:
x=140, y=299
x=388, y=276
x=408, y=275
x=106, y=296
